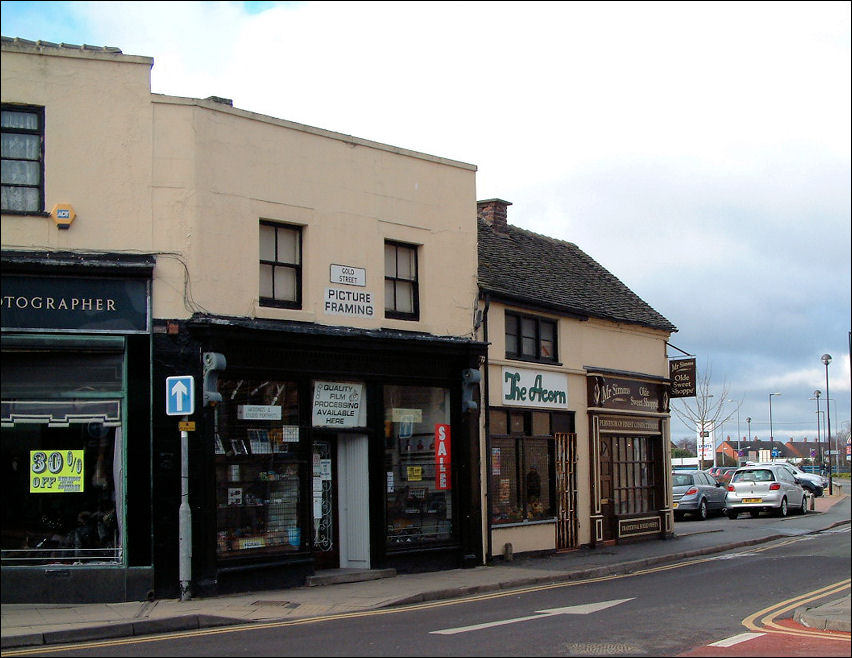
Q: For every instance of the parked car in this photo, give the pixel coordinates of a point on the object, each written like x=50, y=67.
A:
x=723, y=473
x=814, y=483
x=696, y=493
x=766, y=487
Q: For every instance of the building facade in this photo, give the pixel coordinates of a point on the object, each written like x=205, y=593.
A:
x=576, y=382
x=259, y=339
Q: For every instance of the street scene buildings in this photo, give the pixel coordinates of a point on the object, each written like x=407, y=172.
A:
x=239, y=350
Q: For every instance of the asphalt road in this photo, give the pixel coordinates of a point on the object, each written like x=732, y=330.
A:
x=661, y=611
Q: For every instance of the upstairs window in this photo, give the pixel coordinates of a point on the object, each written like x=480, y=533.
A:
x=530, y=338
x=23, y=159
x=280, y=265
x=401, y=294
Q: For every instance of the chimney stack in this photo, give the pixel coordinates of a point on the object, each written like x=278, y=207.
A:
x=495, y=212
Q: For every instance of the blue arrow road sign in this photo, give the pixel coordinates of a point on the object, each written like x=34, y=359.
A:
x=180, y=395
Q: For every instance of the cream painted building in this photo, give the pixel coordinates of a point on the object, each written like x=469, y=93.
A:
x=576, y=380
x=318, y=289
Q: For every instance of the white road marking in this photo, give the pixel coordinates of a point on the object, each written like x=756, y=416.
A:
x=583, y=609
x=736, y=639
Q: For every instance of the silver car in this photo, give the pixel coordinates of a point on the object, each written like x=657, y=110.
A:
x=696, y=493
x=769, y=487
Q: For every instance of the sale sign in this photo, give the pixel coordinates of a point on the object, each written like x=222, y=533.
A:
x=442, y=457
x=56, y=471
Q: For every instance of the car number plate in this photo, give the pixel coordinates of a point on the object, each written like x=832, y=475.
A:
x=752, y=500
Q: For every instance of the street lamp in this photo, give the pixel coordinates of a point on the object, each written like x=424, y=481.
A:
x=817, y=393
x=771, y=437
x=826, y=359
x=748, y=422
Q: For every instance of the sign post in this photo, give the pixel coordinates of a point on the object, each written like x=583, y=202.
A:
x=180, y=401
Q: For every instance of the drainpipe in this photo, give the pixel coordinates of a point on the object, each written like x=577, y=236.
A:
x=485, y=407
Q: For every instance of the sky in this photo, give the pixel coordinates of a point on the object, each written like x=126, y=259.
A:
x=698, y=151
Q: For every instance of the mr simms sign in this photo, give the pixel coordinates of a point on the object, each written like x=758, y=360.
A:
x=682, y=375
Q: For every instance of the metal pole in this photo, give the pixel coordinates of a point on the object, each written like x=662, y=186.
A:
x=826, y=359
x=771, y=437
x=185, y=519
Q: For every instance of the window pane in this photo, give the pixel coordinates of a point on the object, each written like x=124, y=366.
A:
x=22, y=147
x=547, y=340
x=390, y=298
x=404, y=297
x=288, y=245
x=405, y=263
x=390, y=260
x=511, y=334
x=20, y=172
x=516, y=423
x=528, y=339
x=267, y=242
x=497, y=422
x=537, y=479
x=541, y=423
x=285, y=283
x=506, y=507
x=22, y=120
x=20, y=198
x=266, y=280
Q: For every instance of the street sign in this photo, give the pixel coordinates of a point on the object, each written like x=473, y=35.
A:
x=180, y=395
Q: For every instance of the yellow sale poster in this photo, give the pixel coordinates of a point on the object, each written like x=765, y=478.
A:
x=56, y=471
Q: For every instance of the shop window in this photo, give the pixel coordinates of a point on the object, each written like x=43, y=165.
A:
x=634, y=483
x=280, y=265
x=419, y=466
x=530, y=338
x=22, y=158
x=260, y=465
x=62, y=456
x=401, y=293
x=521, y=467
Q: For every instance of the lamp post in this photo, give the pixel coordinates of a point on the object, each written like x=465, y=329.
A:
x=817, y=393
x=771, y=436
x=826, y=359
x=748, y=422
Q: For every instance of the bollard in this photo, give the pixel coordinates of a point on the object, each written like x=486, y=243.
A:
x=508, y=552
x=811, y=506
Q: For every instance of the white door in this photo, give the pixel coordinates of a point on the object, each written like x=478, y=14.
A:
x=353, y=501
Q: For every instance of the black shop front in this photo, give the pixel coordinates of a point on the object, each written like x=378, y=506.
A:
x=329, y=448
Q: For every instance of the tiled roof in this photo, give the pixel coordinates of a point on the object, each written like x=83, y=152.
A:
x=17, y=41
x=526, y=267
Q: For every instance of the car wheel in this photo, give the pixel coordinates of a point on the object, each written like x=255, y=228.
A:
x=782, y=509
x=701, y=514
x=804, y=509
x=732, y=514
x=754, y=513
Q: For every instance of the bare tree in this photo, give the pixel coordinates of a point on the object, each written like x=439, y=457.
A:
x=706, y=411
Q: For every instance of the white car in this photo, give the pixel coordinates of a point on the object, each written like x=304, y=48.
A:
x=769, y=487
x=813, y=482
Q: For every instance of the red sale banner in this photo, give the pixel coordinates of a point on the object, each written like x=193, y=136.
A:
x=442, y=457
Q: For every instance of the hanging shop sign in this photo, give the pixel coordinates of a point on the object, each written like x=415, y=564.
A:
x=443, y=457
x=56, y=471
x=627, y=394
x=75, y=304
x=534, y=388
x=682, y=376
x=337, y=404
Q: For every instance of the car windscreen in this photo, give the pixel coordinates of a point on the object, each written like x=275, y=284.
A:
x=757, y=475
x=681, y=480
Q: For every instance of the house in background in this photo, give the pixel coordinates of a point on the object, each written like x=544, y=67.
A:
x=577, y=426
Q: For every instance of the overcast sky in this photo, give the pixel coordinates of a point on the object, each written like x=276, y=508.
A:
x=699, y=151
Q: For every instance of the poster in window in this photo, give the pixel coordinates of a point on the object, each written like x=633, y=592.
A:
x=56, y=471
x=443, y=457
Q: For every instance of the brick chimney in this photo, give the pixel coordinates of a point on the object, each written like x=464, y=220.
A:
x=495, y=212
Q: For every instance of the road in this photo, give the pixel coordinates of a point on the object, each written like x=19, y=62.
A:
x=731, y=604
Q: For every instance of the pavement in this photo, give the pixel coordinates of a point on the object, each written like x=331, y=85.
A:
x=335, y=593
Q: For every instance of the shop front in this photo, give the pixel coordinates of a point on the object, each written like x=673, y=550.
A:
x=75, y=428
x=331, y=448
x=628, y=421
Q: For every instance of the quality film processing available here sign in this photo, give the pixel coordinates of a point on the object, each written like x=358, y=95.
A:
x=56, y=471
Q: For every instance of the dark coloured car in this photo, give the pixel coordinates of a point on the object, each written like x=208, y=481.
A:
x=696, y=493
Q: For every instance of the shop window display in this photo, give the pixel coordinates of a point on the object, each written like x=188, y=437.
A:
x=418, y=464
x=259, y=467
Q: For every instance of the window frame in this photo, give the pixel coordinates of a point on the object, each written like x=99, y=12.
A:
x=296, y=267
x=516, y=318
x=393, y=313
x=40, y=132
x=635, y=480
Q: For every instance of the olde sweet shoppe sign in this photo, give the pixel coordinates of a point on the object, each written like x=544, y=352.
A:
x=620, y=394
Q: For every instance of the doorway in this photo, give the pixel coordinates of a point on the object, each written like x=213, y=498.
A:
x=341, y=505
